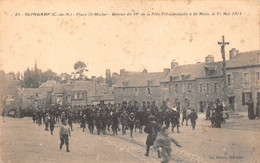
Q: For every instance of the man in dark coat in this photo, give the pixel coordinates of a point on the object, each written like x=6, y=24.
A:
x=175, y=116
x=193, y=118
x=131, y=122
x=258, y=108
x=115, y=121
x=83, y=123
x=218, y=113
x=251, y=114
x=91, y=119
x=124, y=119
x=52, y=123
x=152, y=129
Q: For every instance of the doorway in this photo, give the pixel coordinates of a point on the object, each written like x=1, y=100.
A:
x=231, y=101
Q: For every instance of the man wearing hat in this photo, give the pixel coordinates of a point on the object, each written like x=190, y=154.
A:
x=258, y=108
x=251, y=114
x=131, y=122
x=175, y=116
x=152, y=129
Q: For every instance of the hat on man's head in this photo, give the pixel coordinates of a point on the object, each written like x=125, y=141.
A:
x=151, y=118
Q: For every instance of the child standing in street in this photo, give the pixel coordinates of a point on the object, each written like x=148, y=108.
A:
x=163, y=141
x=64, y=135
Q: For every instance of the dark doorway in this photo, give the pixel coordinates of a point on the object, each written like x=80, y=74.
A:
x=231, y=101
x=177, y=104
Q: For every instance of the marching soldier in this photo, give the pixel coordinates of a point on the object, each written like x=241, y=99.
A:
x=52, y=123
x=124, y=119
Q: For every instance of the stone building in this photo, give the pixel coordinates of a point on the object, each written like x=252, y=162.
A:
x=193, y=85
x=139, y=86
x=243, y=78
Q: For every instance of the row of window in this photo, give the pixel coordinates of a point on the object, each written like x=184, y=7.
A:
x=246, y=79
x=136, y=90
x=181, y=87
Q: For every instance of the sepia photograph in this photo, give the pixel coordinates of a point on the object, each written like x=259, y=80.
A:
x=130, y=81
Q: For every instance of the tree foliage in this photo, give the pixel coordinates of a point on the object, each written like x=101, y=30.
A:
x=80, y=68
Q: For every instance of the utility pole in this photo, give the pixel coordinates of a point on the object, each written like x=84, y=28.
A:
x=223, y=44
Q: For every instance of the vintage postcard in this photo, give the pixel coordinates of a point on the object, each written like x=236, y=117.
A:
x=129, y=81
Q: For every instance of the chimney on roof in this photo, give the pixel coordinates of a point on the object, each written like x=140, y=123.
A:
x=93, y=79
x=166, y=70
x=232, y=53
x=209, y=59
x=174, y=64
x=144, y=70
x=122, y=72
x=258, y=57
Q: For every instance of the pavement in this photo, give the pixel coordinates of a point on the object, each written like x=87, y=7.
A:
x=23, y=141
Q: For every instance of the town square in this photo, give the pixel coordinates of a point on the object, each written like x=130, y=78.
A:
x=129, y=82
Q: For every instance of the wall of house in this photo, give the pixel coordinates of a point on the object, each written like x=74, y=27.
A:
x=238, y=85
x=183, y=95
x=139, y=94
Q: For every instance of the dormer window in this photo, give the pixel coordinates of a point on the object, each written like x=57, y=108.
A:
x=149, y=82
x=171, y=78
x=183, y=77
x=124, y=83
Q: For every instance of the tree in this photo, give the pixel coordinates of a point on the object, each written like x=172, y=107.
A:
x=48, y=75
x=100, y=80
x=79, y=67
x=64, y=77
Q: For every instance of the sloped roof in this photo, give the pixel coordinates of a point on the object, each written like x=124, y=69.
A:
x=193, y=71
x=140, y=79
x=58, y=89
x=244, y=59
x=9, y=87
x=48, y=83
x=32, y=92
x=89, y=86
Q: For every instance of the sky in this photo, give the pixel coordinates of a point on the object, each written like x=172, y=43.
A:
x=122, y=42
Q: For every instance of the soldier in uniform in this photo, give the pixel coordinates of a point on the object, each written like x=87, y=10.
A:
x=152, y=130
x=52, y=123
x=154, y=109
x=193, y=118
x=70, y=121
x=115, y=121
x=90, y=119
x=98, y=122
x=124, y=119
x=83, y=122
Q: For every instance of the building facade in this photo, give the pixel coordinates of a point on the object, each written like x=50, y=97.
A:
x=243, y=78
x=193, y=85
x=139, y=87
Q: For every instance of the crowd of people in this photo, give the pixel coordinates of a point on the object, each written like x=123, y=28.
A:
x=146, y=118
